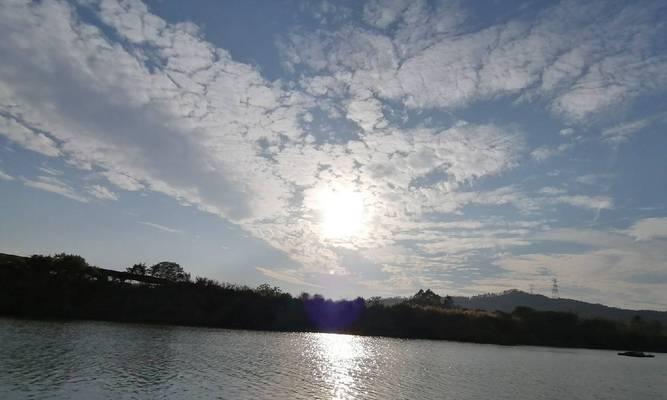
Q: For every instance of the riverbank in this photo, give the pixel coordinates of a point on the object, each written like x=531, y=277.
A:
x=67, y=288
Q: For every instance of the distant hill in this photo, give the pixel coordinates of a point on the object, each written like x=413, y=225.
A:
x=509, y=300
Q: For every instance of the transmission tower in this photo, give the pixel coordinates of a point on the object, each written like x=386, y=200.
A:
x=532, y=288
x=554, y=289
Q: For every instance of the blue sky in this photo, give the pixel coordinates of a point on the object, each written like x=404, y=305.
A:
x=345, y=148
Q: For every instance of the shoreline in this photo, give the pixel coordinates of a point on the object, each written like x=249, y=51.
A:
x=217, y=328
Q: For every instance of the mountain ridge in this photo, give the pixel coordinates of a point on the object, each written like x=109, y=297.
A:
x=507, y=301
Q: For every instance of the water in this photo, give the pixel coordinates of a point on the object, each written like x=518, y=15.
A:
x=96, y=360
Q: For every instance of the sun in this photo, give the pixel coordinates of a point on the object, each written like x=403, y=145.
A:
x=342, y=213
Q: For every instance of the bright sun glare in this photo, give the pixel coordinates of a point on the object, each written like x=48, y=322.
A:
x=342, y=213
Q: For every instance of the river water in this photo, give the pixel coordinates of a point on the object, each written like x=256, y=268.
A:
x=98, y=360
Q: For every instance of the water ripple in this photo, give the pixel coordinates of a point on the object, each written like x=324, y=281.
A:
x=92, y=360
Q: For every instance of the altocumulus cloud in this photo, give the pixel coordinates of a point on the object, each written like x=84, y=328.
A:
x=144, y=104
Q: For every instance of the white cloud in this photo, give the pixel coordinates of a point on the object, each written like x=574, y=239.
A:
x=564, y=71
x=513, y=195
x=160, y=227
x=623, y=132
x=543, y=153
x=51, y=171
x=28, y=138
x=550, y=190
x=593, y=179
x=582, y=66
x=591, y=202
x=54, y=185
x=381, y=14
x=468, y=152
x=459, y=245
x=123, y=181
x=365, y=111
x=609, y=83
x=446, y=74
x=649, y=228
x=5, y=176
x=161, y=138
x=286, y=277
x=101, y=192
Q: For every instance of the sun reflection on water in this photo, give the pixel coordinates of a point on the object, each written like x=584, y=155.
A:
x=342, y=357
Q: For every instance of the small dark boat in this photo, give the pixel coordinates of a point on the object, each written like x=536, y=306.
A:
x=640, y=354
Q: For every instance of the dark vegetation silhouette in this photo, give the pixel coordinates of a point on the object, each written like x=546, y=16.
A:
x=508, y=300
x=65, y=287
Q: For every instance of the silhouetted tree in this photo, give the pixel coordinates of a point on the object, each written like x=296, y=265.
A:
x=426, y=298
x=374, y=301
x=170, y=271
x=206, y=282
x=266, y=290
x=137, y=269
x=66, y=266
x=304, y=296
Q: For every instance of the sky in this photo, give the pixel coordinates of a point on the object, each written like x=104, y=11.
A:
x=345, y=148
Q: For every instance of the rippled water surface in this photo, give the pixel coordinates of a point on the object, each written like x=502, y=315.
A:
x=96, y=360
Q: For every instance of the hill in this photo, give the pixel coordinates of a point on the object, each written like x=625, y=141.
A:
x=508, y=301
